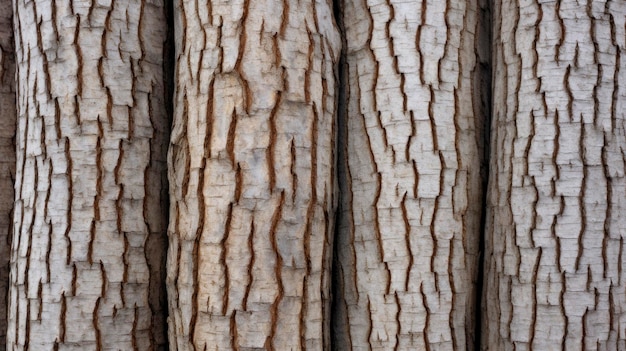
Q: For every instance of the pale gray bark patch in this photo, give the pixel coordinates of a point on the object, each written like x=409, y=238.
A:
x=556, y=219
x=252, y=175
x=7, y=154
x=89, y=221
x=411, y=209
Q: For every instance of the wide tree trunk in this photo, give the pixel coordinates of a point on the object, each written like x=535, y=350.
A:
x=89, y=222
x=7, y=154
x=411, y=178
x=252, y=175
x=555, y=275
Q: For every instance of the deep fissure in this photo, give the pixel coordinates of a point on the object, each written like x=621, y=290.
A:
x=337, y=311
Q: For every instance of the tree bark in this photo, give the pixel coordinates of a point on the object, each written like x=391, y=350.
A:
x=7, y=154
x=411, y=179
x=252, y=175
x=89, y=221
x=555, y=236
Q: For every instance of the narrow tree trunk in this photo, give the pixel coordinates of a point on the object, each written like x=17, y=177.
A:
x=89, y=221
x=251, y=169
x=7, y=154
x=555, y=274
x=411, y=186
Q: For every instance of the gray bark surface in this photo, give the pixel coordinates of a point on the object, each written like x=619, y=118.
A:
x=251, y=175
x=411, y=179
x=89, y=223
x=556, y=220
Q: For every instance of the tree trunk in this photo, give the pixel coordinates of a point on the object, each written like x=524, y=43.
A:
x=7, y=154
x=555, y=236
x=252, y=175
x=89, y=221
x=411, y=179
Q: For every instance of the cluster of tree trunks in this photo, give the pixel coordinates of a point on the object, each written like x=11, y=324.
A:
x=287, y=175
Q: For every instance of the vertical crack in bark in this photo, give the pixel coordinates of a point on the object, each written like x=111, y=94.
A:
x=250, y=277
x=233, y=331
x=418, y=40
x=272, y=138
x=223, y=255
x=483, y=101
x=338, y=312
x=195, y=301
x=62, y=316
x=70, y=181
x=96, y=326
x=277, y=271
x=426, y=329
x=407, y=229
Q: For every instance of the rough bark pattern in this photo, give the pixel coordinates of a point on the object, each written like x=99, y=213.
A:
x=89, y=223
x=7, y=154
x=411, y=187
x=251, y=172
x=557, y=214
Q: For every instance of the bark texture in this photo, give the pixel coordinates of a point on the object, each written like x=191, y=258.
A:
x=411, y=182
x=555, y=274
x=89, y=221
x=251, y=173
x=7, y=154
